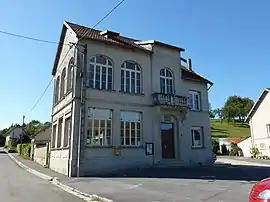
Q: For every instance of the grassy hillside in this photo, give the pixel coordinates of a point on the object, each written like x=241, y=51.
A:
x=225, y=130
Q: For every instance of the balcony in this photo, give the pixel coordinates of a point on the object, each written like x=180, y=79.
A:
x=174, y=101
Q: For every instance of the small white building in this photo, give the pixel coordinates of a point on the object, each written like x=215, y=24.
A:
x=245, y=145
x=259, y=121
x=15, y=133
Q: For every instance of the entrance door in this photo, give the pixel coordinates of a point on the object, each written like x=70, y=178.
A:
x=167, y=140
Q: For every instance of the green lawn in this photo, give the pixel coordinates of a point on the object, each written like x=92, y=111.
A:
x=225, y=130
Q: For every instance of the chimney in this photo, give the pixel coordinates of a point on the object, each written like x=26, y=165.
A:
x=189, y=65
x=109, y=34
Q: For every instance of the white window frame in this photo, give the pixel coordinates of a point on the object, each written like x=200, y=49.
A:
x=138, y=81
x=268, y=130
x=191, y=100
x=168, y=76
x=93, y=116
x=108, y=65
x=128, y=123
x=200, y=129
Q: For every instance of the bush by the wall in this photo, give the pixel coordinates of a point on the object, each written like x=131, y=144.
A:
x=224, y=150
x=26, y=150
x=254, y=151
x=235, y=150
x=12, y=143
x=215, y=146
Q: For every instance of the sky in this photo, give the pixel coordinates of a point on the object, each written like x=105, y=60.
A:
x=228, y=42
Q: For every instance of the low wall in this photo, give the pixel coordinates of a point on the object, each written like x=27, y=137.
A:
x=40, y=155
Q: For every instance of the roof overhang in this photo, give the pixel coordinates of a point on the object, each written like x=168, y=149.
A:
x=159, y=43
x=257, y=104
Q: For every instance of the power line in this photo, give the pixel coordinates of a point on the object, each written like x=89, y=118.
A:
x=43, y=93
x=50, y=82
x=113, y=9
x=31, y=38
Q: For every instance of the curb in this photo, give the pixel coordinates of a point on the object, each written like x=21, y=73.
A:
x=54, y=181
x=244, y=163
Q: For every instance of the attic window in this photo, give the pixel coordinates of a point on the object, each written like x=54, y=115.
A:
x=109, y=34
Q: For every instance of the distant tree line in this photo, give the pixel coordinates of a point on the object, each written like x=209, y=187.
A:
x=236, y=108
x=31, y=128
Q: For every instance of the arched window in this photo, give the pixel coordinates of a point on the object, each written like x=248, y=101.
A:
x=100, y=73
x=166, y=81
x=130, y=77
x=56, y=89
x=70, y=75
x=63, y=82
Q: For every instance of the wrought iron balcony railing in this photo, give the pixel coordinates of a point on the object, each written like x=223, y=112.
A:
x=169, y=100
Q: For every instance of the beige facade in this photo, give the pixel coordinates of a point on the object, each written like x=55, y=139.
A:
x=260, y=124
x=107, y=124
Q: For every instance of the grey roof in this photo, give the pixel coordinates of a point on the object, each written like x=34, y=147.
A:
x=44, y=135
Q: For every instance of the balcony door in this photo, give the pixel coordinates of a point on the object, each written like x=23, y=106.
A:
x=167, y=140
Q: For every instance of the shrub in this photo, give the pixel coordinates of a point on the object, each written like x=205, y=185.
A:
x=254, y=151
x=215, y=146
x=12, y=143
x=224, y=150
x=26, y=150
x=235, y=150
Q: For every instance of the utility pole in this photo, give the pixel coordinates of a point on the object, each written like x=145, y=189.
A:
x=21, y=140
x=82, y=108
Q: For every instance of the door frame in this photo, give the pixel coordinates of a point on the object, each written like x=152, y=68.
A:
x=173, y=138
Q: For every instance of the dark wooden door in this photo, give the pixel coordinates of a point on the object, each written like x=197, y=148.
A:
x=167, y=140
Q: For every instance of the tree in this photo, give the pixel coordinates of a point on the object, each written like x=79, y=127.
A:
x=211, y=112
x=236, y=108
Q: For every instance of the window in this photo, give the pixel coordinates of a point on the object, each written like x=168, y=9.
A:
x=59, y=134
x=67, y=131
x=70, y=75
x=53, y=136
x=100, y=73
x=197, y=136
x=99, y=129
x=262, y=146
x=130, y=77
x=166, y=81
x=194, y=100
x=268, y=130
x=130, y=128
x=63, y=83
x=56, y=90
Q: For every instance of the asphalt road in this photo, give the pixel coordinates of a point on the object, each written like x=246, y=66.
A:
x=17, y=185
x=214, y=184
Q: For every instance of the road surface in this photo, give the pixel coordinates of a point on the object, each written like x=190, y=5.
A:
x=17, y=185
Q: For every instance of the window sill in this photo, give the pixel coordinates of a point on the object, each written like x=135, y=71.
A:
x=65, y=95
x=198, y=147
x=98, y=146
x=131, y=147
x=59, y=148
x=106, y=90
x=195, y=110
x=129, y=93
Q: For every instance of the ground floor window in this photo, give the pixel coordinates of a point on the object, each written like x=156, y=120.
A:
x=130, y=128
x=67, y=131
x=197, y=136
x=99, y=129
x=59, y=133
x=53, y=136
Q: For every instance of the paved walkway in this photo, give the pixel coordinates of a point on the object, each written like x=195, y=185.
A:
x=243, y=161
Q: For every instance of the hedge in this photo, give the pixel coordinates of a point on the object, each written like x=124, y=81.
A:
x=26, y=149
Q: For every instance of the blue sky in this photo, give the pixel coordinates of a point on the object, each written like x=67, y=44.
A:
x=228, y=42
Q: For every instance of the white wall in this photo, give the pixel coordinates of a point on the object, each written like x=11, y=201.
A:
x=258, y=126
x=245, y=146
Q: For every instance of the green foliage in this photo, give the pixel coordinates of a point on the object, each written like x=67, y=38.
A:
x=224, y=150
x=5, y=146
x=254, y=151
x=235, y=150
x=237, y=107
x=218, y=113
x=223, y=130
x=215, y=146
x=26, y=149
x=12, y=143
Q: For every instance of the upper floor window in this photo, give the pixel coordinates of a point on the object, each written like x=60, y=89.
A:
x=130, y=77
x=268, y=130
x=166, y=81
x=194, y=100
x=70, y=75
x=100, y=73
x=56, y=89
x=63, y=83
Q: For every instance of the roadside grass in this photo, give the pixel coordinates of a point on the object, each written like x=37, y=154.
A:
x=224, y=129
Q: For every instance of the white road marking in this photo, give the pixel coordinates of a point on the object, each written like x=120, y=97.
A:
x=134, y=186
